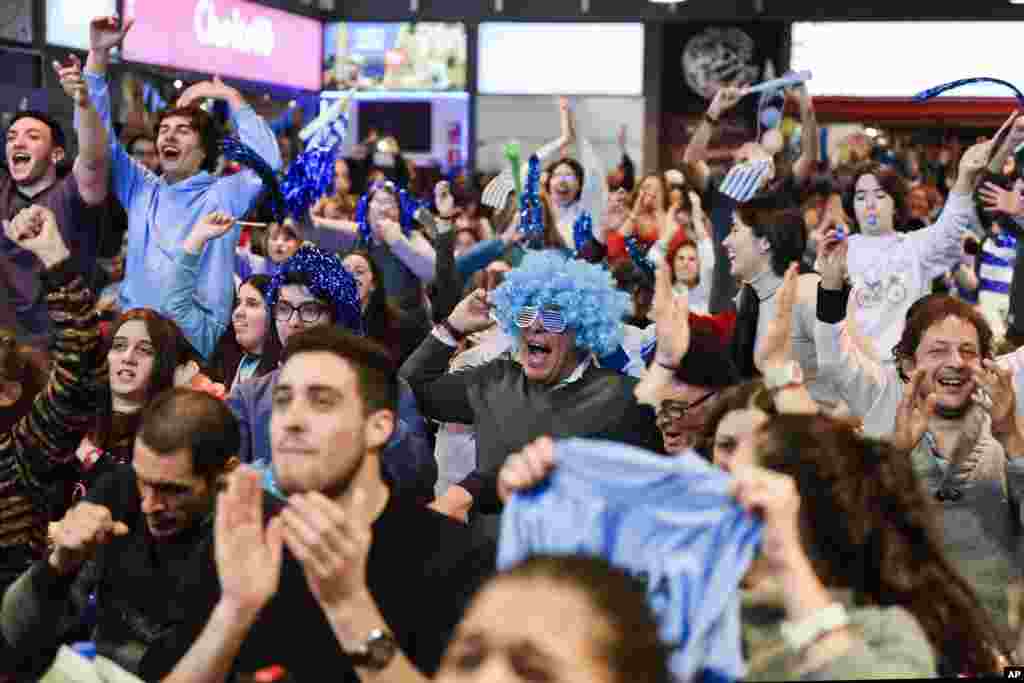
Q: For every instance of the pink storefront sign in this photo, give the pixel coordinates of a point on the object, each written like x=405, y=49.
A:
x=229, y=38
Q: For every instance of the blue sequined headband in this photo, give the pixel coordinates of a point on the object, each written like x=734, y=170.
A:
x=407, y=204
x=328, y=280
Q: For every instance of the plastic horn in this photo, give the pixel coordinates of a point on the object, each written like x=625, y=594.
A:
x=325, y=117
x=512, y=155
x=776, y=83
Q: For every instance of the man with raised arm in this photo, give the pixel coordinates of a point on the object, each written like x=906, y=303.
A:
x=162, y=209
x=36, y=149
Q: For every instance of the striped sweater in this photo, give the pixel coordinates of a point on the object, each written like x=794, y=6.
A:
x=40, y=447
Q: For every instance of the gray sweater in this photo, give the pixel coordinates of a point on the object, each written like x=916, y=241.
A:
x=891, y=644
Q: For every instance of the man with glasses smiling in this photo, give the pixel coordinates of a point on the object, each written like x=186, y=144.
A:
x=312, y=288
x=562, y=313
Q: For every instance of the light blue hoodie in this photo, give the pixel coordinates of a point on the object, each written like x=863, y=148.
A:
x=160, y=217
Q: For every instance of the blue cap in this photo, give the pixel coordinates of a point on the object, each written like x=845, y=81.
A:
x=85, y=648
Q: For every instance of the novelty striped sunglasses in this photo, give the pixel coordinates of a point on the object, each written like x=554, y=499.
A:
x=551, y=318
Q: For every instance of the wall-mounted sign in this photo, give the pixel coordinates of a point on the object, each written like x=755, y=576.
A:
x=228, y=38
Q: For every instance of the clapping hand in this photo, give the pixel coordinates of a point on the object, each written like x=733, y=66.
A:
x=671, y=312
x=913, y=414
x=776, y=346
x=997, y=383
x=332, y=542
x=248, y=555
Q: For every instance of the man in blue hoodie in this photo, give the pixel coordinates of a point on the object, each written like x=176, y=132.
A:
x=162, y=209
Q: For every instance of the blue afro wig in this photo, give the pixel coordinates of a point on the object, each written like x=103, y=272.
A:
x=585, y=292
x=327, y=280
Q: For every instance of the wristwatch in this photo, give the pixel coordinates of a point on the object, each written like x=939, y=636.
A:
x=787, y=375
x=376, y=653
x=800, y=634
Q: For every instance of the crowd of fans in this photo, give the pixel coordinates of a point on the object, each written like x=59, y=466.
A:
x=754, y=421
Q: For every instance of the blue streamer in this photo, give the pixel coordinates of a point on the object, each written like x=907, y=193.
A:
x=928, y=94
x=234, y=149
x=582, y=231
x=531, y=213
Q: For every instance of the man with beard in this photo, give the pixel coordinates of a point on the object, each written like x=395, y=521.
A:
x=131, y=542
x=952, y=409
x=36, y=151
x=373, y=585
x=163, y=208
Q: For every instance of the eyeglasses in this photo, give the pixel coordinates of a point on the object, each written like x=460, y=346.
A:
x=309, y=312
x=551, y=318
x=676, y=410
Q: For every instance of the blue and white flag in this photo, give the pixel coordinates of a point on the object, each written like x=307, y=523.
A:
x=744, y=180
x=496, y=193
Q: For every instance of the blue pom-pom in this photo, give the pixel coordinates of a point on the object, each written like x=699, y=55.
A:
x=311, y=175
x=236, y=150
x=328, y=280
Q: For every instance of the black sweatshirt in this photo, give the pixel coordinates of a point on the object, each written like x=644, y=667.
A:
x=510, y=412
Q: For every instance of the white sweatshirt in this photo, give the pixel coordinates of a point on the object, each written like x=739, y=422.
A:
x=890, y=272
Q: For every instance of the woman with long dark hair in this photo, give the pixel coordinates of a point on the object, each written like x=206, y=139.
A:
x=249, y=347
x=385, y=322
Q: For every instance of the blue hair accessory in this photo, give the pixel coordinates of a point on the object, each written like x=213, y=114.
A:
x=234, y=149
x=328, y=280
x=585, y=292
x=407, y=205
x=531, y=213
x=311, y=175
x=928, y=94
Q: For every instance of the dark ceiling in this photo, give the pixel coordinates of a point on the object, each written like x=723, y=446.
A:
x=633, y=10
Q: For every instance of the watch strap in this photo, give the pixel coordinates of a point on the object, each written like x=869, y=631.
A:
x=376, y=652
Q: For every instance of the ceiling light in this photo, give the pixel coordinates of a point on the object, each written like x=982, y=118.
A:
x=871, y=132
x=178, y=84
